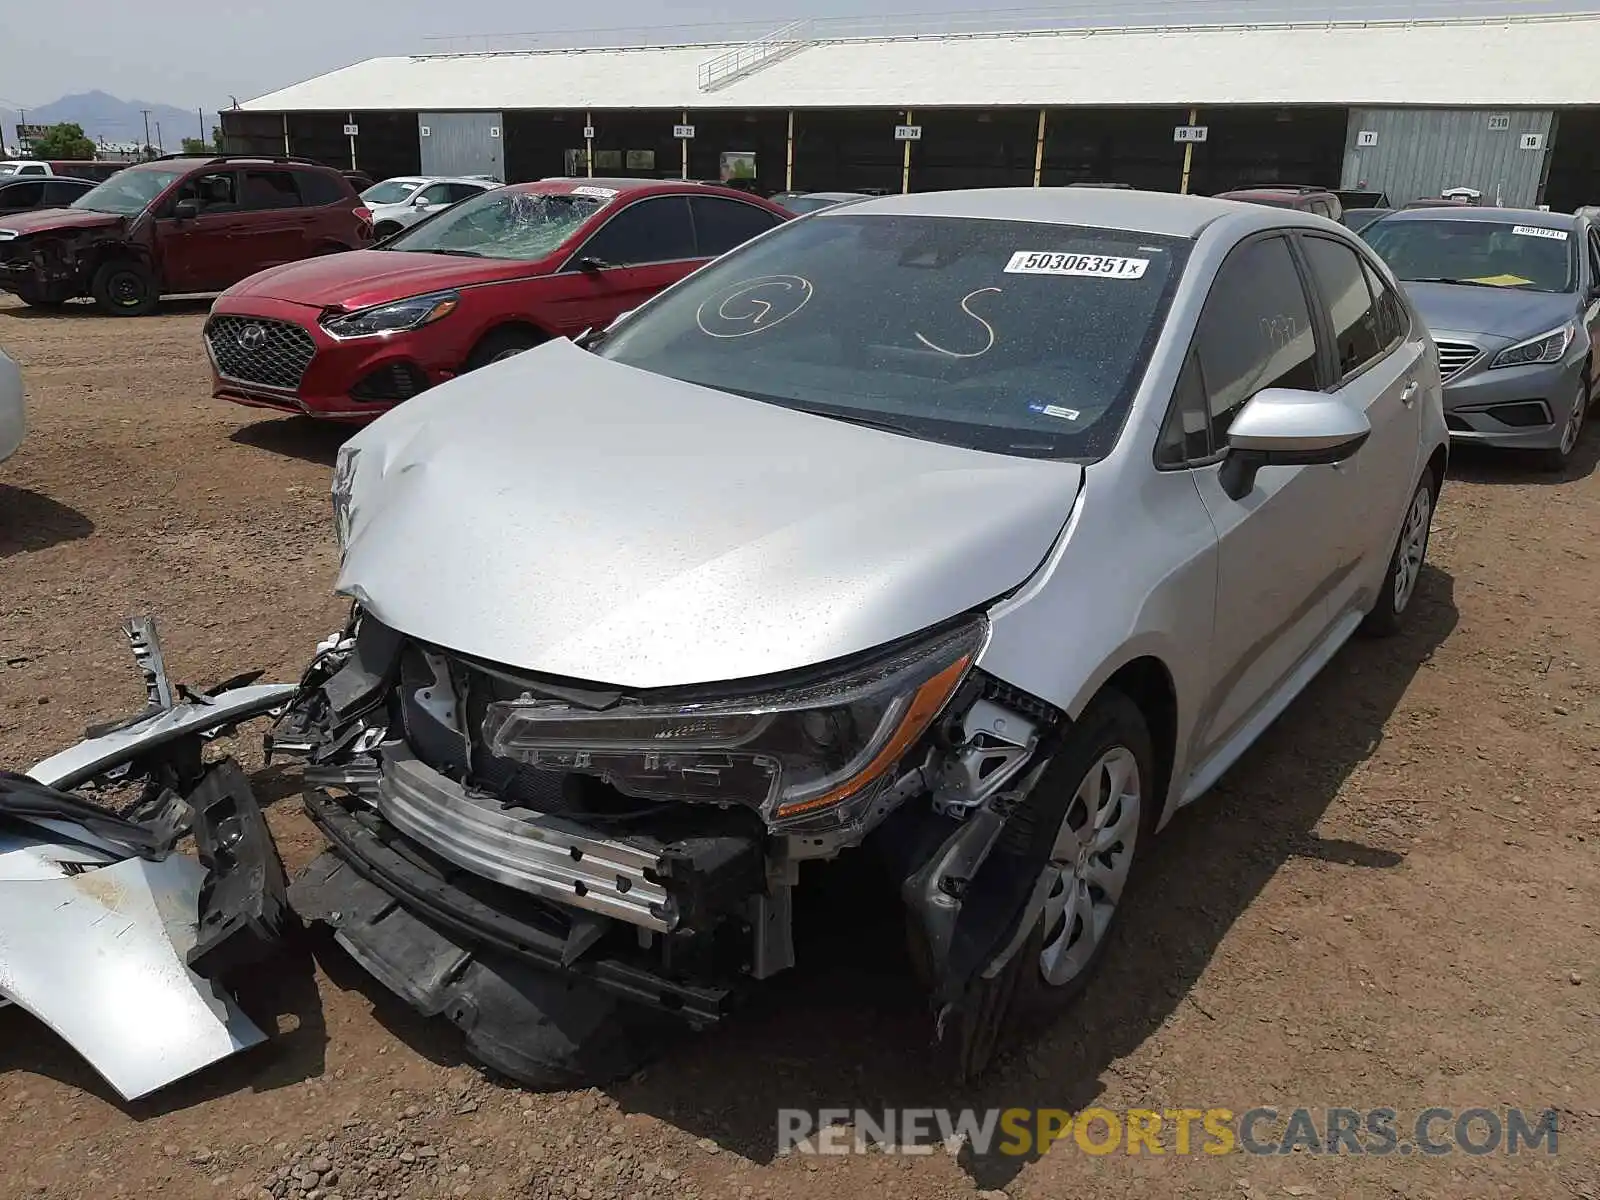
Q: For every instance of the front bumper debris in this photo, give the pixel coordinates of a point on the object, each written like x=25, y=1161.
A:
x=114, y=941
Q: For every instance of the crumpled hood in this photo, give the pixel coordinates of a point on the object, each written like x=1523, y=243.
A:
x=358, y=278
x=572, y=516
x=41, y=220
x=1499, y=312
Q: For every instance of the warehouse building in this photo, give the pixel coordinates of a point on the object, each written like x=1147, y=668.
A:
x=1507, y=105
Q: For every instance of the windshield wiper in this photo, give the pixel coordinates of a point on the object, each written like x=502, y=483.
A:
x=854, y=419
x=1462, y=282
x=457, y=253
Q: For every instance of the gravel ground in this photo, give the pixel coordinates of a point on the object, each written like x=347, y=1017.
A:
x=1394, y=899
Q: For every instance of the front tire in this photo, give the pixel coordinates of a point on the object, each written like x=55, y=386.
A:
x=1405, y=563
x=500, y=345
x=1556, y=460
x=125, y=289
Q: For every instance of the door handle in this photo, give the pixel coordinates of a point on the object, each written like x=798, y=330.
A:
x=1409, y=393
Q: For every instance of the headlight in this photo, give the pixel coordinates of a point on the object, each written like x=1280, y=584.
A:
x=824, y=748
x=344, y=479
x=1546, y=348
x=394, y=318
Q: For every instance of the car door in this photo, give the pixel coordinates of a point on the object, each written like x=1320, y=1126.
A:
x=641, y=248
x=1377, y=371
x=200, y=254
x=1591, y=303
x=1283, y=547
x=21, y=196
x=271, y=224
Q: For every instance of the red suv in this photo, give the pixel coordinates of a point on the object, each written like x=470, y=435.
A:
x=348, y=337
x=179, y=225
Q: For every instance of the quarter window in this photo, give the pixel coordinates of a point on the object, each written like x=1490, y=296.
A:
x=1255, y=332
x=1186, y=436
x=320, y=187
x=1393, y=323
x=1343, y=287
x=721, y=224
x=654, y=230
x=456, y=192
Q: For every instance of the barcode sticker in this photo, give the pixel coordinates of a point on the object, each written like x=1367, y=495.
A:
x=1558, y=235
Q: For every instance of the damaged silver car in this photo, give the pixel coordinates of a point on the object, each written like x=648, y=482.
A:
x=979, y=531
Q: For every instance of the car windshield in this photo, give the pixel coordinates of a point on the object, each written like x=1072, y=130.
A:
x=390, y=191
x=128, y=191
x=1007, y=336
x=1497, y=253
x=503, y=223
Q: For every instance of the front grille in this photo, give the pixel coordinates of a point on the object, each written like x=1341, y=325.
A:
x=396, y=381
x=272, y=354
x=1456, y=357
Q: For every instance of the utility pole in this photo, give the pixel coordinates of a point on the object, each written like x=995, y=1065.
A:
x=160, y=149
x=146, y=147
x=201, y=113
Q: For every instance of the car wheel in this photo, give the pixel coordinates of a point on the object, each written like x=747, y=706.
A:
x=1571, y=432
x=500, y=345
x=1086, y=818
x=125, y=289
x=1405, y=564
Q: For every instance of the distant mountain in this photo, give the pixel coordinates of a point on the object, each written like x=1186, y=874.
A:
x=104, y=117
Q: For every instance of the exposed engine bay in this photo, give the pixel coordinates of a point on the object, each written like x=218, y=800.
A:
x=565, y=869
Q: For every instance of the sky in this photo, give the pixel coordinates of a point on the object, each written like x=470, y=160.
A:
x=199, y=53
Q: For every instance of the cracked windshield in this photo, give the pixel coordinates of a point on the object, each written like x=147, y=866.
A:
x=501, y=224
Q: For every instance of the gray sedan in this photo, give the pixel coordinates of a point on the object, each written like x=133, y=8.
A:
x=983, y=528
x=1512, y=297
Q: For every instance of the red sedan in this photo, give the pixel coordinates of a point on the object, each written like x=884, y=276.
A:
x=348, y=336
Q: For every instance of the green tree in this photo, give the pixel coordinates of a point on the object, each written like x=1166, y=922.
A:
x=196, y=146
x=66, y=140
x=216, y=139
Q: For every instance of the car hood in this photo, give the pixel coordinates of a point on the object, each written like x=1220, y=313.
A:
x=1499, y=312
x=573, y=516
x=40, y=220
x=358, y=278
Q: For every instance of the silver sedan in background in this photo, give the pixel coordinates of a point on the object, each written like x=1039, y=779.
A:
x=13, y=417
x=984, y=529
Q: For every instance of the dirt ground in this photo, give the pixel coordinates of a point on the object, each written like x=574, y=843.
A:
x=1393, y=900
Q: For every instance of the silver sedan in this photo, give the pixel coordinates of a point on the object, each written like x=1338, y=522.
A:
x=13, y=418
x=987, y=528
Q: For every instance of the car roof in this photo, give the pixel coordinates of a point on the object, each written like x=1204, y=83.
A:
x=1519, y=216
x=1106, y=208
x=826, y=195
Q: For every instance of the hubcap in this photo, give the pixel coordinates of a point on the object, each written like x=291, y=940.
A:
x=1569, y=435
x=1413, y=548
x=505, y=354
x=1092, y=854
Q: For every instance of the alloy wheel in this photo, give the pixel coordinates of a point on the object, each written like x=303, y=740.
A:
x=1092, y=854
x=1574, y=425
x=1413, y=547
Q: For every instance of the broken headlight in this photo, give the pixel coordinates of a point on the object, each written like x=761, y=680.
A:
x=820, y=747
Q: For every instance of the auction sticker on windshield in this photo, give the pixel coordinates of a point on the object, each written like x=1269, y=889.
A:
x=1559, y=235
x=590, y=190
x=1104, y=266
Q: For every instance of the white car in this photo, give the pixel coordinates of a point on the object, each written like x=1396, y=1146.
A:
x=399, y=203
x=13, y=421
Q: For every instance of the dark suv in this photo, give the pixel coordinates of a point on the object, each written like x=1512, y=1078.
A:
x=1300, y=197
x=179, y=225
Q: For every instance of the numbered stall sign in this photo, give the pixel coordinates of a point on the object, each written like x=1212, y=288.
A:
x=683, y=132
x=1367, y=138
x=588, y=133
x=908, y=133
x=351, y=130
x=1190, y=133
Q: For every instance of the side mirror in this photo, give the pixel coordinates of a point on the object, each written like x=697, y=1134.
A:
x=186, y=210
x=1282, y=427
x=588, y=263
x=420, y=202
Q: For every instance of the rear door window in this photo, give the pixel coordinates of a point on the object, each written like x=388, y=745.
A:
x=648, y=231
x=1255, y=331
x=22, y=195
x=1336, y=268
x=268, y=190
x=721, y=224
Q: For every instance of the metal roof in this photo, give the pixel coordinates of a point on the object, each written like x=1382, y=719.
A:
x=1522, y=61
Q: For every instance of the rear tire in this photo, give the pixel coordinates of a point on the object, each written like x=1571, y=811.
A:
x=502, y=344
x=123, y=288
x=1405, y=563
